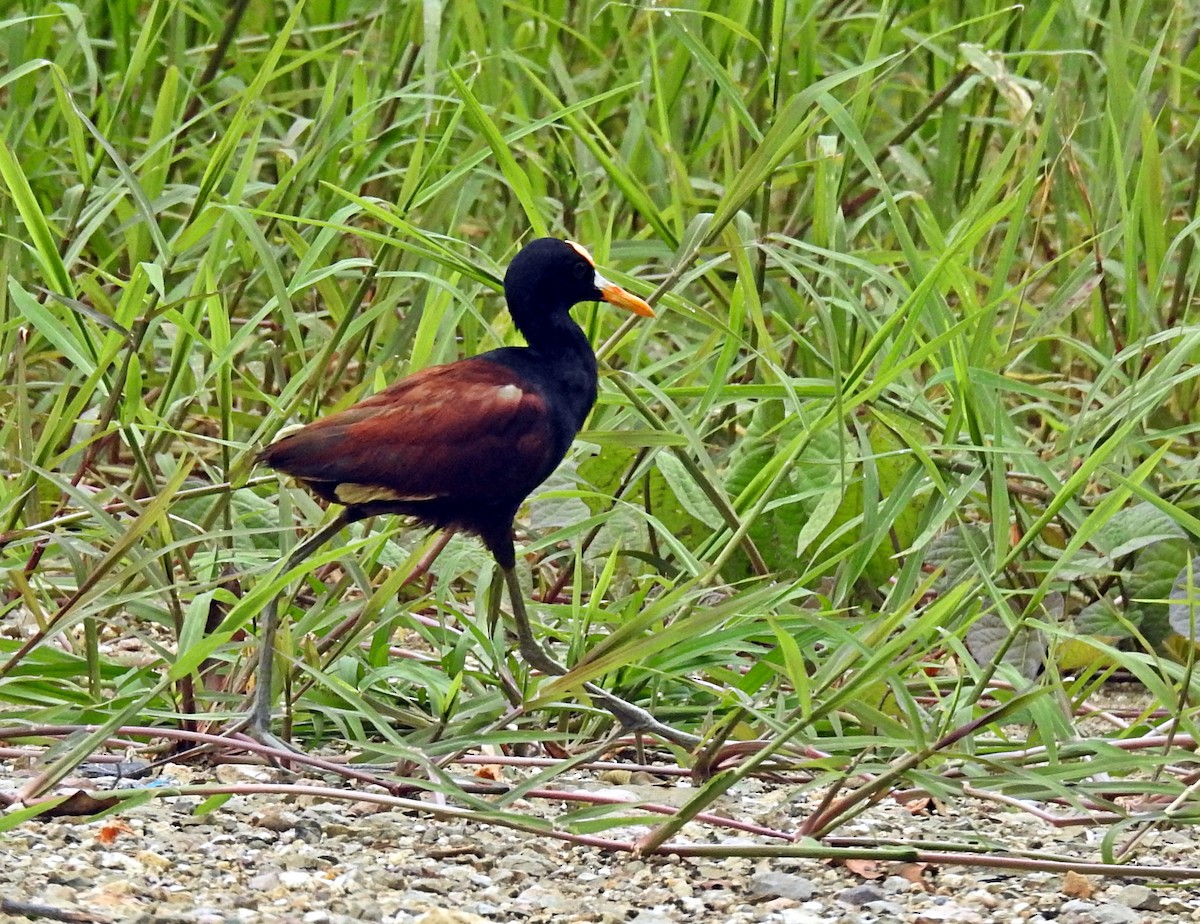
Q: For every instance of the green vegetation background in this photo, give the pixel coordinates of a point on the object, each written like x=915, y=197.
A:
x=917, y=415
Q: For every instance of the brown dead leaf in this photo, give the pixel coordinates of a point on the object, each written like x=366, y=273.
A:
x=924, y=805
x=473, y=229
x=1077, y=885
x=359, y=809
x=913, y=872
x=111, y=830
x=492, y=772
x=78, y=803
x=866, y=869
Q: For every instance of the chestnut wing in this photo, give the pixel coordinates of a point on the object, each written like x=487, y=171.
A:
x=470, y=429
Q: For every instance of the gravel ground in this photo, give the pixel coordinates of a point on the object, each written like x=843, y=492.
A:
x=267, y=858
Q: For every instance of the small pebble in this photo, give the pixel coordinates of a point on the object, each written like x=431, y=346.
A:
x=1138, y=896
x=542, y=898
x=801, y=916
x=527, y=861
x=1109, y=913
x=946, y=913
x=154, y=862
x=118, y=861
x=981, y=897
x=295, y=879
x=782, y=885
x=264, y=882
x=449, y=916
x=860, y=895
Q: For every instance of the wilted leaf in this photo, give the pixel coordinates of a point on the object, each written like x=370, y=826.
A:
x=549, y=509
x=924, y=805
x=821, y=511
x=989, y=633
x=1149, y=586
x=689, y=494
x=1184, y=609
x=838, y=467
x=955, y=553
x=1101, y=618
x=257, y=516
x=79, y=803
x=1135, y=528
x=867, y=869
x=604, y=472
x=913, y=872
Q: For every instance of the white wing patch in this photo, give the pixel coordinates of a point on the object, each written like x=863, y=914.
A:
x=350, y=493
x=509, y=393
x=287, y=431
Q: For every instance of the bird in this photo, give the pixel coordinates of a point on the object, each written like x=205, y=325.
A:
x=461, y=446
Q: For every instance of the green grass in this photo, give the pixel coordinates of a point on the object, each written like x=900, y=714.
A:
x=921, y=391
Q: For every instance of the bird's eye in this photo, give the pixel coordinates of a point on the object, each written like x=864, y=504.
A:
x=583, y=271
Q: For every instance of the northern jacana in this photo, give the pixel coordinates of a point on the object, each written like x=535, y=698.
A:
x=461, y=446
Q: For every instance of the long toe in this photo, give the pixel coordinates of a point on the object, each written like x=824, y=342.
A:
x=538, y=658
x=636, y=719
x=254, y=729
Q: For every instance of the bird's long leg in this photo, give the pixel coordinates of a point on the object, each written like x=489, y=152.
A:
x=258, y=720
x=534, y=654
x=634, y=718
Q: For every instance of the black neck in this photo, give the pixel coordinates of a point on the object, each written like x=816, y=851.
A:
x=555, y=335
x=560, y=357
